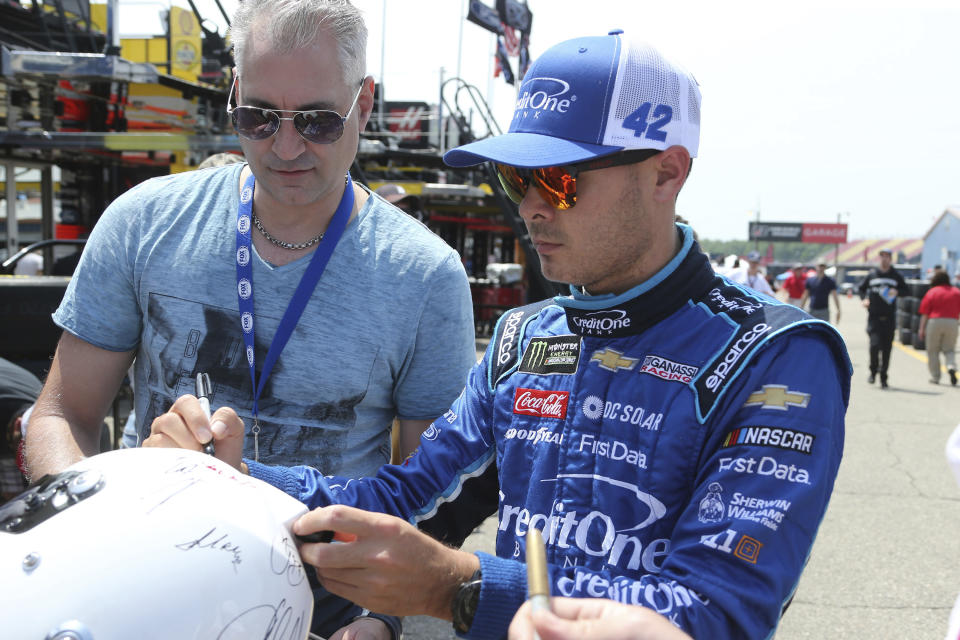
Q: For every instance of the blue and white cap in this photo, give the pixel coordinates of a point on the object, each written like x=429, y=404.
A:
x=591, y=97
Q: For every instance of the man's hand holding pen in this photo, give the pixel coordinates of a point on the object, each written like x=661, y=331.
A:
x=189, y=425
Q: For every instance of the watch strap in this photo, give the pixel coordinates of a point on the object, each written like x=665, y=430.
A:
x=465, y=602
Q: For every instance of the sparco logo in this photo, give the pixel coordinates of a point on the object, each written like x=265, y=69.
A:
x=726, y=365
x=734, y=304
x=545, y=404
x=602, y=322
x=509, y=336
x=549, y=99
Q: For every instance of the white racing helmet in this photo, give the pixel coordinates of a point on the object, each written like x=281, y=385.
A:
x=152, y=543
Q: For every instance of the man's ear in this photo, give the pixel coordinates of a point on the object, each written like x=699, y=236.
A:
x=365, y=101
x=672, y=167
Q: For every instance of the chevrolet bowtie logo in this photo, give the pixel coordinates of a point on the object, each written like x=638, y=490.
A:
x=612, y=360
x=777, y=396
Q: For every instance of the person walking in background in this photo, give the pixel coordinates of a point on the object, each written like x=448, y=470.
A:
x=939, y=314
x=879, y=292
x=795, y=285
x=752, y=276
x=818, y=290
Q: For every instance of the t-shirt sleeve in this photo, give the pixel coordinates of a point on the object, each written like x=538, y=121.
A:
x=445, y=348
x=100, y=305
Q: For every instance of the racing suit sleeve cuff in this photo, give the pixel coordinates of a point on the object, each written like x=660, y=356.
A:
x=503, y=590
x=283, y=478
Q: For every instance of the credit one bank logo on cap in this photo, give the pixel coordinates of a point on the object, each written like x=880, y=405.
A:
x=548, y=95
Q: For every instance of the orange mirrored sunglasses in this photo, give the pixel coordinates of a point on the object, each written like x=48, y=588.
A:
x=558, y=185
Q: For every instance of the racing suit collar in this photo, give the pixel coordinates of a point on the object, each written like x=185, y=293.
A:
x=688, y=275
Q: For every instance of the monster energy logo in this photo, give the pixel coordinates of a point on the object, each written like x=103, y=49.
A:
x=551, y=355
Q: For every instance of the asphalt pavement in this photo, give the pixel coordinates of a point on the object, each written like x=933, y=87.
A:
x=886, y=563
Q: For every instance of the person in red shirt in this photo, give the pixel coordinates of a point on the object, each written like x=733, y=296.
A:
x=939, y=313
x=795, y=284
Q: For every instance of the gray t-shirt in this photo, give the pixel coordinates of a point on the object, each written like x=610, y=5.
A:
x=388, y=331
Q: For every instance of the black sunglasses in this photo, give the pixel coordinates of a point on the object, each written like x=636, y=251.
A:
x=319, y=126
x=558, y=185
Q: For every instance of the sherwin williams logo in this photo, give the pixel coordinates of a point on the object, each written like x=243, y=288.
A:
x=549, y=99
x=540, y=403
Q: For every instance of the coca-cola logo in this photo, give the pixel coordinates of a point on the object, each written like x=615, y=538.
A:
x=541, y=403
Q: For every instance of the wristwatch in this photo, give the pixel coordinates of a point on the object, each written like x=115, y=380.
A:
x=465, y=603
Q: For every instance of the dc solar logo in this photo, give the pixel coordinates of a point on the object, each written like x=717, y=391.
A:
x=244, y=288
x=243, y=256
x=246, y=194
x=246, y=321
x=243, y=225
x=593, y=407
x=250, y=356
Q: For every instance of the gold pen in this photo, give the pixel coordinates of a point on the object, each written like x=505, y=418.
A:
x=538, y=579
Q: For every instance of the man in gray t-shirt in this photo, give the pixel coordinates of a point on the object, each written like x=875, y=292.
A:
x=196, y=273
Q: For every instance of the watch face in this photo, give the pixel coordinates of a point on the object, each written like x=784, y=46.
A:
x=465, y=605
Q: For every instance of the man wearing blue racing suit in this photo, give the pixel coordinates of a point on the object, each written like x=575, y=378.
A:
x=673, y=435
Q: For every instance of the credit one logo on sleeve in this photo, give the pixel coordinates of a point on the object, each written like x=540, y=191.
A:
x=734, y=303
x=541, y=403
x=551, y=355
x=668, y=369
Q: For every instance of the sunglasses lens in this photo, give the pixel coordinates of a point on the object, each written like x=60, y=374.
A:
x=323, y=127
x=557, y=187
x=513, y=183
x=255, y=124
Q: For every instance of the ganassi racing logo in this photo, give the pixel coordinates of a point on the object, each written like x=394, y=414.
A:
x=601, y=322
x=668, y=369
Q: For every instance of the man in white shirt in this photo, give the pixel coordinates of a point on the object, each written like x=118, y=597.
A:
x=752, y=276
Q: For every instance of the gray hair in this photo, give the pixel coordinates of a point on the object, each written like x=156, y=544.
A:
x=293, y=24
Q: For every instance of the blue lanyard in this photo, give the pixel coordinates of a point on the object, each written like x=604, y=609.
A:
x=308, y=282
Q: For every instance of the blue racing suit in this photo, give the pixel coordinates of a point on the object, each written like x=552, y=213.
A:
x=676, y=444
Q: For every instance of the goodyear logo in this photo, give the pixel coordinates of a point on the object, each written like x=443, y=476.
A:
x=551, y=355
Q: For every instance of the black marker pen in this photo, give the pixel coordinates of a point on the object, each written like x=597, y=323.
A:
x=203, y=391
